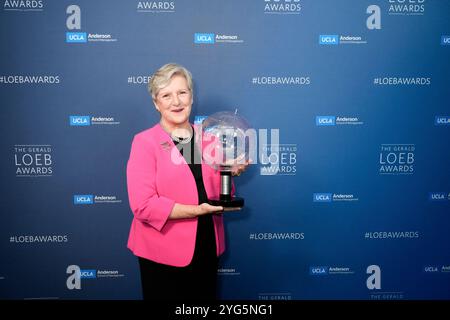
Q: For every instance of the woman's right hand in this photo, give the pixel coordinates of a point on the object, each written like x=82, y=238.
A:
x=183, y=211
x=206, y=208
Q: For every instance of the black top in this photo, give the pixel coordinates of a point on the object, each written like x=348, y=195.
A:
x=205, y=246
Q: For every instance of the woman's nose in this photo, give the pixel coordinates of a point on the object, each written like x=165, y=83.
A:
x=175, y=100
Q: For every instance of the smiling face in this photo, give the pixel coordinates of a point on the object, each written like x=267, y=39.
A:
x=174, y=102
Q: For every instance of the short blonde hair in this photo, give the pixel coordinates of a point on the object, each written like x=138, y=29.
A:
x=163, y=75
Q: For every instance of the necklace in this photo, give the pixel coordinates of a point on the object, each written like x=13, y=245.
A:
x=182, y=140
x=181, y=135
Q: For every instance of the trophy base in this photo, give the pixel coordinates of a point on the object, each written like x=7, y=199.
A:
x=233, y=204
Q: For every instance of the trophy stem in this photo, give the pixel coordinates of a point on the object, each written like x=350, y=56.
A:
x=225, y=198
x=225, y=185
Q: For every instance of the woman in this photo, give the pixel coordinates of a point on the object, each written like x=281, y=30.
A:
x=176, y=235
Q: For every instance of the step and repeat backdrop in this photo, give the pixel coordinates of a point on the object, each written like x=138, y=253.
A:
x=348, y=198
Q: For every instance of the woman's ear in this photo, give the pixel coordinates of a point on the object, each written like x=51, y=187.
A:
x=156, y=106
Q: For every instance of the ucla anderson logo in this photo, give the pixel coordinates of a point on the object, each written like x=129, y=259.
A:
x=204, y=38
x=442, y=120
x=76, y=37
x=338, y=120
x=438, y=196
x=80, y=120
x=445, y=40
x=83, y=199
x=325, y=120
x=328, y=39
x=73, y=23
x=430, y=269
x=318, y=271
x=322, y=197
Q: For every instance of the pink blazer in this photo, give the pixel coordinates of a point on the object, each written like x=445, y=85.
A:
x=155, y=183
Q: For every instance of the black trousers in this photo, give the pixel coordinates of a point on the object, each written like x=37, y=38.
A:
x=168, y=283
x=195, y=282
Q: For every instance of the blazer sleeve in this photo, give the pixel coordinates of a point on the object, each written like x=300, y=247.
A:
x=145, y=202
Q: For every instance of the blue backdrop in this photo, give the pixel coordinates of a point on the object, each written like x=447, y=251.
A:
x=354, y=202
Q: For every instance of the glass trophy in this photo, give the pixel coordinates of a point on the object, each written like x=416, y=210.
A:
x=226, y=148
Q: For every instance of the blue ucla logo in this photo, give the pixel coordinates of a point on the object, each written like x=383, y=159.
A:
x=76, y=37
x=80, y=120
x=325, y=120
x=83, y=199
x=328, y=39
x=438, y=196
x=204, y=38
x=318, y=271
x=430, y=269
x=322, y=197
x=445, y=40
x=442, y=120
x=88, y=274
